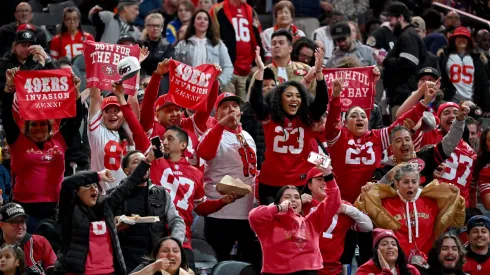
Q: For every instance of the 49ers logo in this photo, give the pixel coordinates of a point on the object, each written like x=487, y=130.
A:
x=109, y=70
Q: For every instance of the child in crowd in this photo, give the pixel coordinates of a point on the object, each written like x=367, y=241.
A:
x=12, y=260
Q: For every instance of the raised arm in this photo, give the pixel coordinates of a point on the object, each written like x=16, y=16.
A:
x=362, y=221
x=333, y=125
x=325, y=211
x=416, y=96
x=147, y=115
x=319, y=105
x=12, y=131
x=201, y=117
x=95, y=102
x=256, y=96
x=140, y=139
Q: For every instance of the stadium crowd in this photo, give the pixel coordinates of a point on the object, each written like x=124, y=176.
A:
x=136, y=184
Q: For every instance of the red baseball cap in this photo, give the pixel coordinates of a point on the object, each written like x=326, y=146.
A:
x=226, y=97
x=162, y=102
x=314, y=173
x=110, y=101
x=444, y=106
x=380, y=233
x=28, y=27
x=462, y=31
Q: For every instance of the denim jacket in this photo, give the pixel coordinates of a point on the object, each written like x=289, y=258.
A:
x=215, y=55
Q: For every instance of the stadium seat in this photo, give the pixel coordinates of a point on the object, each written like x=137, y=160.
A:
x=204, y=255
x=234, y=267
x=90, y=29
x=44, y=19
x=79, y=62
x=266, y=21
x=56, y=10
x=36, y=6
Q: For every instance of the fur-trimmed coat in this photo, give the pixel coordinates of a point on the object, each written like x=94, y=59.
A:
x=481, y=94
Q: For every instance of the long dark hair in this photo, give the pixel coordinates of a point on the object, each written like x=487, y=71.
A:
x=451, y=46
x=300, y=44
x=281, y=191
x=19, y=255
x=433, y=256
x=275, y=106
x=483, y=155
x=401, y=261
x=154, y=253
x=211, y=33
x=65, y=29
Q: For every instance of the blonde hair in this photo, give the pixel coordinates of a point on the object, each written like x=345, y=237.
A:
x=154, y=16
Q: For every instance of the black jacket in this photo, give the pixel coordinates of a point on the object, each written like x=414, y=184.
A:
x=254, y=127
x=158, y=203
x=159, y=50
x=376, y=118
x=481, y=94
x=7, y=33
x=402, y=64
x=75, y=219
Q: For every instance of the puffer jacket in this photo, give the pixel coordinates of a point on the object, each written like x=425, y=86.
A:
x=215, y=55
x=451, y=205
x=159, y=50
x=75, y=220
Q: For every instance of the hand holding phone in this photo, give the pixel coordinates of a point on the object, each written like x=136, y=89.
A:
x=318, y=159
x=158, y=144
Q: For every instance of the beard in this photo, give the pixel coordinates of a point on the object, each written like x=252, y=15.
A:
x=397, y=29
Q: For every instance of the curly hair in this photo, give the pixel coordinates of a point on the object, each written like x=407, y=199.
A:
x=433, y=256
x=401, y=169
x=274, y=99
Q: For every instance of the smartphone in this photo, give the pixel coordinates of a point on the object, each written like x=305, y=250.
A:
x=158, y=143
x=317, y=159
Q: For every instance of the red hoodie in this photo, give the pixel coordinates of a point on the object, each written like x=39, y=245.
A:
x=370, y=268
x=289, y=241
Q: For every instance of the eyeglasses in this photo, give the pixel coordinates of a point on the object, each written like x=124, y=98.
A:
x=26, y=11
x=154, y=26
x=17, y=223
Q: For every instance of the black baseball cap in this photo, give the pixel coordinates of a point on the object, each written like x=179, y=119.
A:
x=397, y=9
x=11, y=211
x=340, y=30
x=428, y=71
x=478, y=220
x=25, y=36
x=126, y=38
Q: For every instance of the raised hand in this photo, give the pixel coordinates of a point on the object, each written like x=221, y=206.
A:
x=95, y=9
x=162, y=67
x=430, y=94
x=10, y=74
x=144, y=52
x=377, y=73
x=382, y=262
x=227, y=199
x=319, y=59
x=258, y=59
x=338, y=84
x=306, y=198
x=160, y=265
x=218, y=67
x=117, y=89
x=106, y=175
x=230, y=120
x=463, y=111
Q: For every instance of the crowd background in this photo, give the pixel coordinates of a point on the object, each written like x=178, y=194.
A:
x=432, y=104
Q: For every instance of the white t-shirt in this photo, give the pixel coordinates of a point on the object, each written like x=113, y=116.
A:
x=461, y=72
x=106, y=150
x=228, y=161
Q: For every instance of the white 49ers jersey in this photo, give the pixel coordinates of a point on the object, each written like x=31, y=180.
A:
x=106, y=150
x=461, y=71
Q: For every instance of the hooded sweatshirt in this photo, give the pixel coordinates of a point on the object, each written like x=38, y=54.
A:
x=371, y=268
x=286, y=236
x=420, y=213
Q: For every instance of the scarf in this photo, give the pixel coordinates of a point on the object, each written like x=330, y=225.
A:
x=292, y=29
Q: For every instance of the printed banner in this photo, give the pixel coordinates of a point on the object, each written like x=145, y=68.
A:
x=45, y=94
x=359, y=89
x=189, y=86
x=101, y=65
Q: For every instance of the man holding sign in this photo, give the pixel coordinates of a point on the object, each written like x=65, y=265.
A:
x=37, y=151
x=194, y=88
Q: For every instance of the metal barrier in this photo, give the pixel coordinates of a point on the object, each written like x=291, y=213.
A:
x=463, y=13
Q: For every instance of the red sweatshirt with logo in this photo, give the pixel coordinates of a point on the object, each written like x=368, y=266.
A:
x=289, y=241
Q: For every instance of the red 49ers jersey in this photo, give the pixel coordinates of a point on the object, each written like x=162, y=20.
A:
x=484, y=181
x=471, y=266
x=354, y=159
x=67, y=45
x=332, y=237
x=185, y=185
x=286, y=157
x=459, y=167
